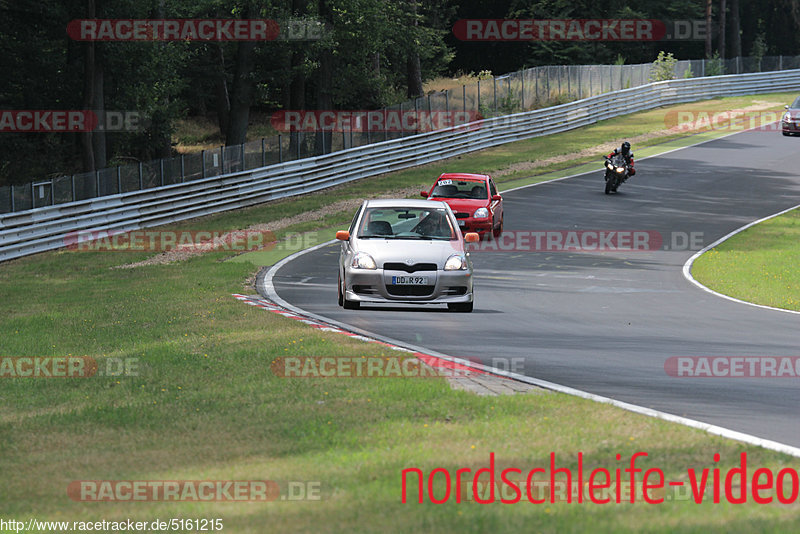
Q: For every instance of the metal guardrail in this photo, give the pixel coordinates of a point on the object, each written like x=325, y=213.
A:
x=47, y=228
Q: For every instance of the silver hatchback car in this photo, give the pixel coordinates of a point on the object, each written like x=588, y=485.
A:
x=405, y=251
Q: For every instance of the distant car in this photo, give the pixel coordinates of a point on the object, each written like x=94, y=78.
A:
x=474, y=200
x=790, y=122
x=405, y=251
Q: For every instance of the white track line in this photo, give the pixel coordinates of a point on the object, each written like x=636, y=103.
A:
x=269, y=289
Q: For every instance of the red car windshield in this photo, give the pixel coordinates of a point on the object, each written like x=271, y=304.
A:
x=452, y=188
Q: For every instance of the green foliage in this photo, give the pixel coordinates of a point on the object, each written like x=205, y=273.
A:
x=715, y=66
x=663, y=67
x=620, y=60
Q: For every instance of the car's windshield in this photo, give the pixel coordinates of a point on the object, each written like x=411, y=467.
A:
x=406, y=223
x=450, y=188
x=796, y=103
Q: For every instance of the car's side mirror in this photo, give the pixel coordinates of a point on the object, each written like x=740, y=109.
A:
x=472, y=237
x=343, y=235
x=423, y=194
x=497, y=197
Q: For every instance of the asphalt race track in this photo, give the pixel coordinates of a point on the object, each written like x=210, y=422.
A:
x=606, y=322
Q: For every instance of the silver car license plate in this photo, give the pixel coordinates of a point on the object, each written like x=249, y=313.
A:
x=409, y=280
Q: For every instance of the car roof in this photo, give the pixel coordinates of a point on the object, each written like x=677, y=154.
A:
x=404, y=203
x=463, y=175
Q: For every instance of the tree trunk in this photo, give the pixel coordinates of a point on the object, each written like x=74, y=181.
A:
x=241, y=94
x=221, y=90
x=708, y=29
x=722, y=9
x=736, y=30
x=325, y=81
x=93, y=143
x=413, y=69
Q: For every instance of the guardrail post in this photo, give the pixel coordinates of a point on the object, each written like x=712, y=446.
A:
x=580, y=86
x=141, y=177
x=119, y=180
x=780, y=62
x=264, y=152
x=12, y=196
x=447, y=101
x=73, y=187
x=97, y=182
x=280, y=149
x=183, y=168
x=464, y=97
x=494, y=92
x=161, y=170
x=297, y=144
x=222, y=159
x=33, y=197
x=522, y=72
x=52, y=192
x=202, y=164
x=243, y=164
x=479, y=94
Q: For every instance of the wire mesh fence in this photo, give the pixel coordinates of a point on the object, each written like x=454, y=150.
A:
x=485, y=97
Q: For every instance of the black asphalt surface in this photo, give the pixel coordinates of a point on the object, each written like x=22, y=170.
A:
x=607, y=322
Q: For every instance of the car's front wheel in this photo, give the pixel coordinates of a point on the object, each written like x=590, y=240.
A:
x=347, y=304
x=464, y=307
x=499, y=230
x=339, y=292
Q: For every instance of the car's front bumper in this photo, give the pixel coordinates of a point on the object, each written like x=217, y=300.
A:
x=442, y=287
x=790, y=127
x=482, y=226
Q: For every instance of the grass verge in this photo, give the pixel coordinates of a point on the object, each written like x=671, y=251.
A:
x=757, y=265
x=203, y=404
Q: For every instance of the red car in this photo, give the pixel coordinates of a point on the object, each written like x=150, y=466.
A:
x=474, y=200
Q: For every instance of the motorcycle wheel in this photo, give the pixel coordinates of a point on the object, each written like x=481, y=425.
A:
x=610, y=184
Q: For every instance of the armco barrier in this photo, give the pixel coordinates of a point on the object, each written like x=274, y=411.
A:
x=41, y=229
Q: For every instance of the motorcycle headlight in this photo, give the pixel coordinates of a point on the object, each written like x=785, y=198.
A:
x=362, y=260
x=456, y=262
x=481, y=213
x=620, y=169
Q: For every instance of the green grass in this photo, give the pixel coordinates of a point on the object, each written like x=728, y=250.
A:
x=205, y=404
x=758, y=265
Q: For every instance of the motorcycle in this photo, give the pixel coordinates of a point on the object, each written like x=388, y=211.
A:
x=616, y=172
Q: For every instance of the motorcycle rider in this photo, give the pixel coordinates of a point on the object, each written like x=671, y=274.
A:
x=625, y=150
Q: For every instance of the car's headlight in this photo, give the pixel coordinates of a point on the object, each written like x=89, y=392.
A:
x=787, y=117
x=362, y=260
x=456, y=262
x=481, y=213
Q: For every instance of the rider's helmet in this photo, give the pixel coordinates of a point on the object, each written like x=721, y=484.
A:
x=626, y=148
